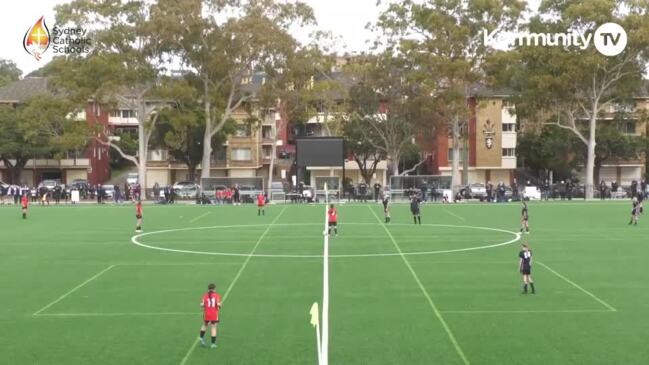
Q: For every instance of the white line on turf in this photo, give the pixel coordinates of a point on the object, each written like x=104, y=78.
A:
x=527, y=311
x=134, y=314
x=438, y=314
x=454, y=215
x=602, y=302
x=73, y=290
x=199, y=217
x=236, y=277
x=324, y=344
x=135, y=240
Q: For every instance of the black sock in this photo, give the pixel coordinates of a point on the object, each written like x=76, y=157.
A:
x=532, y=286
x=202, y=334
x=419, y=219
x=415, y=219
x=213, y=339
x=24, y=215
x=524, y=288
x=336, y=230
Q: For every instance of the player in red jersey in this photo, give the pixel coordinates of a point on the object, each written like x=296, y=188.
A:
x=24, y=203
x=261, y=203
x=138, y=215
x=211, y=304
x=332, y=219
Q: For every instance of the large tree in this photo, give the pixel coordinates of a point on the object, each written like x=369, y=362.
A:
x=444, y=42
x=385, y=106
x=224, y=51
x=122, y=68
x=570, y=87
x=9, y=72
x=42, y=126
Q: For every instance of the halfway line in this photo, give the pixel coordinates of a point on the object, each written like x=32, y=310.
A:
x=236, y=277
x=610, y=307
x=438, y=314
x=73, y=290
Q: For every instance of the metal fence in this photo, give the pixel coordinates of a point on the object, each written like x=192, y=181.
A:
x=428, y=187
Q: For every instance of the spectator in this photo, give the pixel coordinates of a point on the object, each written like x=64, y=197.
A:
x=362, y=190
x=424, y=189
x=614, y=187
x=569, y=188
x=377, y=191
x=562, y=190
x=514, y=190
x=236, y=195
x=490, y=189
x=433, y=192
x=634, y=188
x=602, y=190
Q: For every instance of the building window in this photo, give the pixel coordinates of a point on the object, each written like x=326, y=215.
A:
x=243, y=131
x=509, y=127
x=629, y=127
x=450, y=155
x=123, y=113
x=220, y=154
x=241, y=154
x=509, y=152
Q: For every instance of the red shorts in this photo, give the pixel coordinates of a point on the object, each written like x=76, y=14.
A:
x=211, y=316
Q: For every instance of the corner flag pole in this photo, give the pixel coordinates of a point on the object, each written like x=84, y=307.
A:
x=315, y=322
x=324, y=357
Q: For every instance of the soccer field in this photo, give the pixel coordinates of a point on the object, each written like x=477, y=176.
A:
x=76, y=289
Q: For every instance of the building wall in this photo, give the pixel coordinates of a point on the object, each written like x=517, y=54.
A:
x=488, y=123
x=160, y=176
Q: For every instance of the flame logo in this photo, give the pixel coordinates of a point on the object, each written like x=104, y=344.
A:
x=37, y=39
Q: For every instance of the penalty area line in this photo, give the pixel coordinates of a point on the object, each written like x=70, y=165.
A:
x=236, y=277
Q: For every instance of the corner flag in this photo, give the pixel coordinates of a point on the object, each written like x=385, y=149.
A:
x=315, y=315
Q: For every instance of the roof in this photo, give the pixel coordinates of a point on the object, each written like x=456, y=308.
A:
x=21, y=90
x=481, y=90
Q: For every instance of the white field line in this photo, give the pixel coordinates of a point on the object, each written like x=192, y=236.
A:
x=133, y=314
x=454, y=215
x=324, y=344
x=599, y=300
x=135, y=240
x=526, y=311
x=73, y=290
x=438, y=314
x=199, y=217
x=236, y=277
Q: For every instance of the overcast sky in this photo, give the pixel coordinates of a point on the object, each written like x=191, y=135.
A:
x=345, y=18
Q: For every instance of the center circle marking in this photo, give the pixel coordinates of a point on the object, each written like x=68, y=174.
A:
x=135, y=240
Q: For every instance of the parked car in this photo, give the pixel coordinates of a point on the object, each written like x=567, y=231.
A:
x=49, y=184
x=132, y=178
x=109, y=191
x=532, y=193
x=477, y=190
x=4, y=185
x=186, y=189
x=78, y=184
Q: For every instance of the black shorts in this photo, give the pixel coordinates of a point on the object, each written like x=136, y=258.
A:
x=210, y=322
x=525, y=218
x=333, y=224
x=138, y=216
x=415, y=211
x=526, y=270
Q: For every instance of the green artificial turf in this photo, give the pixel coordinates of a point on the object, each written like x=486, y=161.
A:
x=100, y=299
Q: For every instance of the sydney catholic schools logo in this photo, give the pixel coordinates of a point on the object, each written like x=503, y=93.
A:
x=38, y=39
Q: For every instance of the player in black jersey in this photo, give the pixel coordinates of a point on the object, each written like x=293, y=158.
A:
x=386, y=207
x=525, y=268
x=524, y=219
x=635, y=211
x=414, y=208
